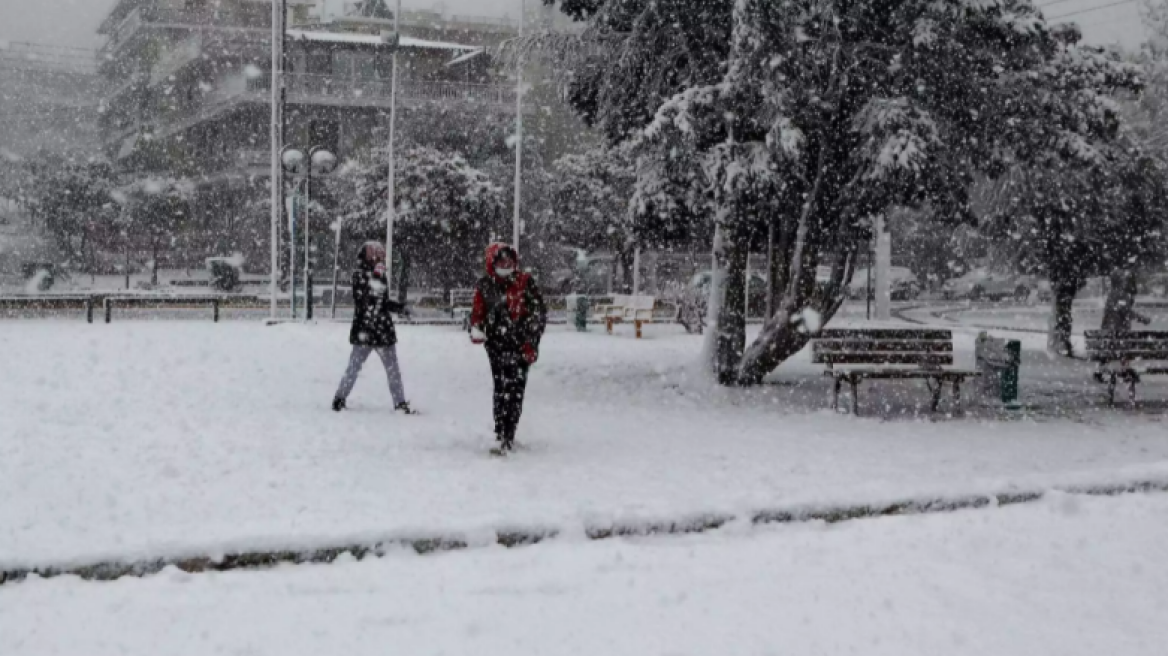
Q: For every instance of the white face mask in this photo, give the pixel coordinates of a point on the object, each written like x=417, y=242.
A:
x=505, y=273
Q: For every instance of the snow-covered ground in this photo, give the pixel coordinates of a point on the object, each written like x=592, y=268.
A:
x=152, y=439
x=1069, y=576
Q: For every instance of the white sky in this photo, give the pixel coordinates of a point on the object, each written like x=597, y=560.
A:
x=73, y=22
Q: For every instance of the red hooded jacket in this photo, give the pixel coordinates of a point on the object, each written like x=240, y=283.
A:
x=510, y=311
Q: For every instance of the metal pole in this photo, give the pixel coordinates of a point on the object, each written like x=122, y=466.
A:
x=519, y=133
x=770, y=272
x=277, y=146
x=391, y=191
x=868, y=291
x=307, y=243
x=637, y=272
x=746, y=304
x=336, y=267
x=292, y=251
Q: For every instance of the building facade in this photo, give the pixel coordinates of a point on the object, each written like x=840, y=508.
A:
x=189, y=94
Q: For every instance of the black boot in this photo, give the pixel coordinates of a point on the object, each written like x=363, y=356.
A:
x=338, y=404
x=405, y=409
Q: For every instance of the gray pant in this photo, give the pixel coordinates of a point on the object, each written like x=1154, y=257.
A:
x=388, y=355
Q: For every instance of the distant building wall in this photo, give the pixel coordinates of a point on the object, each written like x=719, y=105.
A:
x=48, y=99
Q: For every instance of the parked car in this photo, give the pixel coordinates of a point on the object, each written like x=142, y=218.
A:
x=904, y=283
x=984, y=285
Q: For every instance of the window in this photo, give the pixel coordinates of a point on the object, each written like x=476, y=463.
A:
x=320, y=62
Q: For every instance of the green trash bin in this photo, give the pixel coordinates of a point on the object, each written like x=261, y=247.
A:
x=999, y=362
x=578, y=306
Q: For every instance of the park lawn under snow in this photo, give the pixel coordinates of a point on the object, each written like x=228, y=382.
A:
x=153, y=439
x=1070, y=576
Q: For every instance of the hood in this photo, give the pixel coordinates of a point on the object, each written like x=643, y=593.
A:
x=370, y=254
x=493, y=252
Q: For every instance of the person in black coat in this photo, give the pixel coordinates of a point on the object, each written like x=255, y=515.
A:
x=373, y=328
x=509, y=318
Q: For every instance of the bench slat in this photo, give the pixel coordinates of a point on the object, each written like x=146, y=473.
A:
x=1109, y=355
x=884, y=358
x=902, y=374
x=886, y=334
x=1132, y=345
x=888, y=346
x=1124, y=336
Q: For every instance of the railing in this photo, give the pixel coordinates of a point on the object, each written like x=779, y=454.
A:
x=164, y=17
x=306, y=87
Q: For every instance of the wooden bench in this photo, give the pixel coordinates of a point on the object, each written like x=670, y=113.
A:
x=176, y=302
x=901, y=354
x=461, y=305
x=626, y=308
x=46, y=303
x=1127, y=356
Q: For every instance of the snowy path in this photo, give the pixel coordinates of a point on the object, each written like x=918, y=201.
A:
x=159, y=439
x=1069, y=576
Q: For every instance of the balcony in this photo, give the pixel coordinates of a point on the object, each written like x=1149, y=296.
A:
x=334, y=91
x=158, y=18
x=307, y=89
x=174, y=59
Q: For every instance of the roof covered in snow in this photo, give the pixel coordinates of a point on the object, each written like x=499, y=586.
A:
x=374, y=40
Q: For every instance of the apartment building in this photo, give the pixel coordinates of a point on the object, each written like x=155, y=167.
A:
x=189, y=90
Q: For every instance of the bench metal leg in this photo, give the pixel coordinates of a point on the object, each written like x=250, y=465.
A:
x=109, y=311
x=855, y=396
x=936, y=391
x=835, y=393
x=1132, y=390
x=957, y=409
x=215, y=309
x=89, y=311
x=1111, y=390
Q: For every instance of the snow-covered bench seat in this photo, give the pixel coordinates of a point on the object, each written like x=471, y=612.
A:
x=1127, y=356
x=626, y=308
x=852, y=356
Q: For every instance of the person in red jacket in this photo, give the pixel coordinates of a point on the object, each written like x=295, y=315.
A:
x=509, y=318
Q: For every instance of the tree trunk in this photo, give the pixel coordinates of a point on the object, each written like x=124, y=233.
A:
x=624, y=258
x=1119, y=310
x=786, y=333
x=1062, y=320
x=154, y=265
x=731, y=339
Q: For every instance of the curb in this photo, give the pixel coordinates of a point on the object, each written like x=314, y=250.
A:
x=112, y=570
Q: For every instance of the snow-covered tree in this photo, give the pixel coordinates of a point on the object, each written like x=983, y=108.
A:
x=447, y=210
x=590, y=212
x=154, y=216
x=813, y=116
x=1072, y=223
x=71, y=201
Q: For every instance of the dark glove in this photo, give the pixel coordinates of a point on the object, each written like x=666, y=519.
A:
x=530, y=354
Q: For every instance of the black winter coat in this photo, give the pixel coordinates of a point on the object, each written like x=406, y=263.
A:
x=372, y=323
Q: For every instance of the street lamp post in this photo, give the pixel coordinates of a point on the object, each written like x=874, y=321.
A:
x=516, y=229
x=279, y=14
x=303, y=167
x=391, y=192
